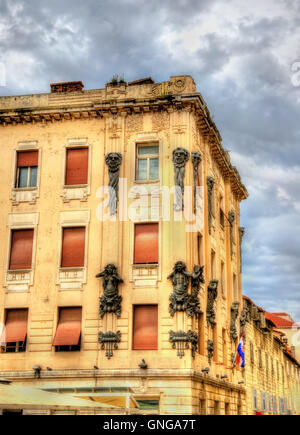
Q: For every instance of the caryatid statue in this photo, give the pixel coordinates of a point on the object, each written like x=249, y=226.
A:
x=196, y=160
x=113, y=161
x=180, y=280
x=110, y=301
x=180, y=156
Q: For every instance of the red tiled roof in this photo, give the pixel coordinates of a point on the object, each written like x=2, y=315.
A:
x=278, y=320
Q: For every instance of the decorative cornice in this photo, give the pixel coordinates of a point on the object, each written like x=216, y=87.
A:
x=126, y=373
x=95, y=104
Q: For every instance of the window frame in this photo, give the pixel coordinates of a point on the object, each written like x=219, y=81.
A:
x=74, y=147
x=132, y=325
x=146, y=157
x=15, y=229
x=72, y=348
x=17, y=346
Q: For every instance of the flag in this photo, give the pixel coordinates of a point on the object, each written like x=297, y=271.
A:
x=240, y=358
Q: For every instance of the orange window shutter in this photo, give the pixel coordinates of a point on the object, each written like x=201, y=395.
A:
x=146, y=243
x=145, y=327
x=77, y=166
x=21, y=249
x=73, y=247
x=15, y=326
x=27, y=158
x=68, y=328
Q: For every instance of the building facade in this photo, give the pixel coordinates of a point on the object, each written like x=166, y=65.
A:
x=112, y=201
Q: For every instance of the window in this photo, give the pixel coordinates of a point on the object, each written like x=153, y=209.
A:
x=274, y=405
x=68, y=333
x=202, y=407
x=263, y=401
x=212, y=265
x=216, y=347
x=251, y=353
x=13, y=338
x=148, y=405
x=227, y=408
x=77, y=162
x=235, y=296
x=73, y=247
x=200, y=249
x=21, y=249
x=146, y=243
x=145, y=327
x=147, y=163
x=254, y=396
x=201, y=334
x=27, y=166
x=222, y=214
x=224, y=341
x=216, y=408
x=223, y=284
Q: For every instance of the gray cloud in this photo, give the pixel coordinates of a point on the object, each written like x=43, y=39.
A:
x=240, y=55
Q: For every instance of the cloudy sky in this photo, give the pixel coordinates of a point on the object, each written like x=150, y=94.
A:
x=240, y=54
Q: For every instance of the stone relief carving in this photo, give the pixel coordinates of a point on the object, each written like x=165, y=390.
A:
x=196, y=160
x=110, y=301
x=212, y=293
x=180, y=299
x=234, y=312
x=210, y=350
x=180, y=340
x=210, y=187
x=113, y=161
x=180, y=280
x=109, y=341
x=180, y=156
x=160, y=121
x=193, y=302
x=241, y=235
x=231, y=218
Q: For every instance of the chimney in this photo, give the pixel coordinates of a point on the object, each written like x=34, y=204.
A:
x=66, y=87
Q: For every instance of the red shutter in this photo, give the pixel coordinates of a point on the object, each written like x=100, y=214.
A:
x=21, y=249
x=145, y=327
x=68, y=328
x=73, y=247
x=27, y=158
x=77, y=166
x=15, y=326
x=146, y=243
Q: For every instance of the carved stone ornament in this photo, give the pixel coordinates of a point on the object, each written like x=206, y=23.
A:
x=180, y=340
x=210, y=187
x=231, y=218
x=241, y=235
x=180, y=299
x=109, y=341
x=180, y=280
x=244, y=318
x=212, y=293
x=180, y=156
x=196, y=160
x=193, y=301
x=234, y=312
x=113, y=161
x=233, y=361
x=110, y=301
x=210, y=350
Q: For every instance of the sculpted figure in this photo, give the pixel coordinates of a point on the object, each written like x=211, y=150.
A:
x=233, y=317
x=210, y=186
x=180, y=157
x=113, y=161
x=180, y=280
x=193, y=302
x=211, y=297
x=196, y=159
x=110, y=301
